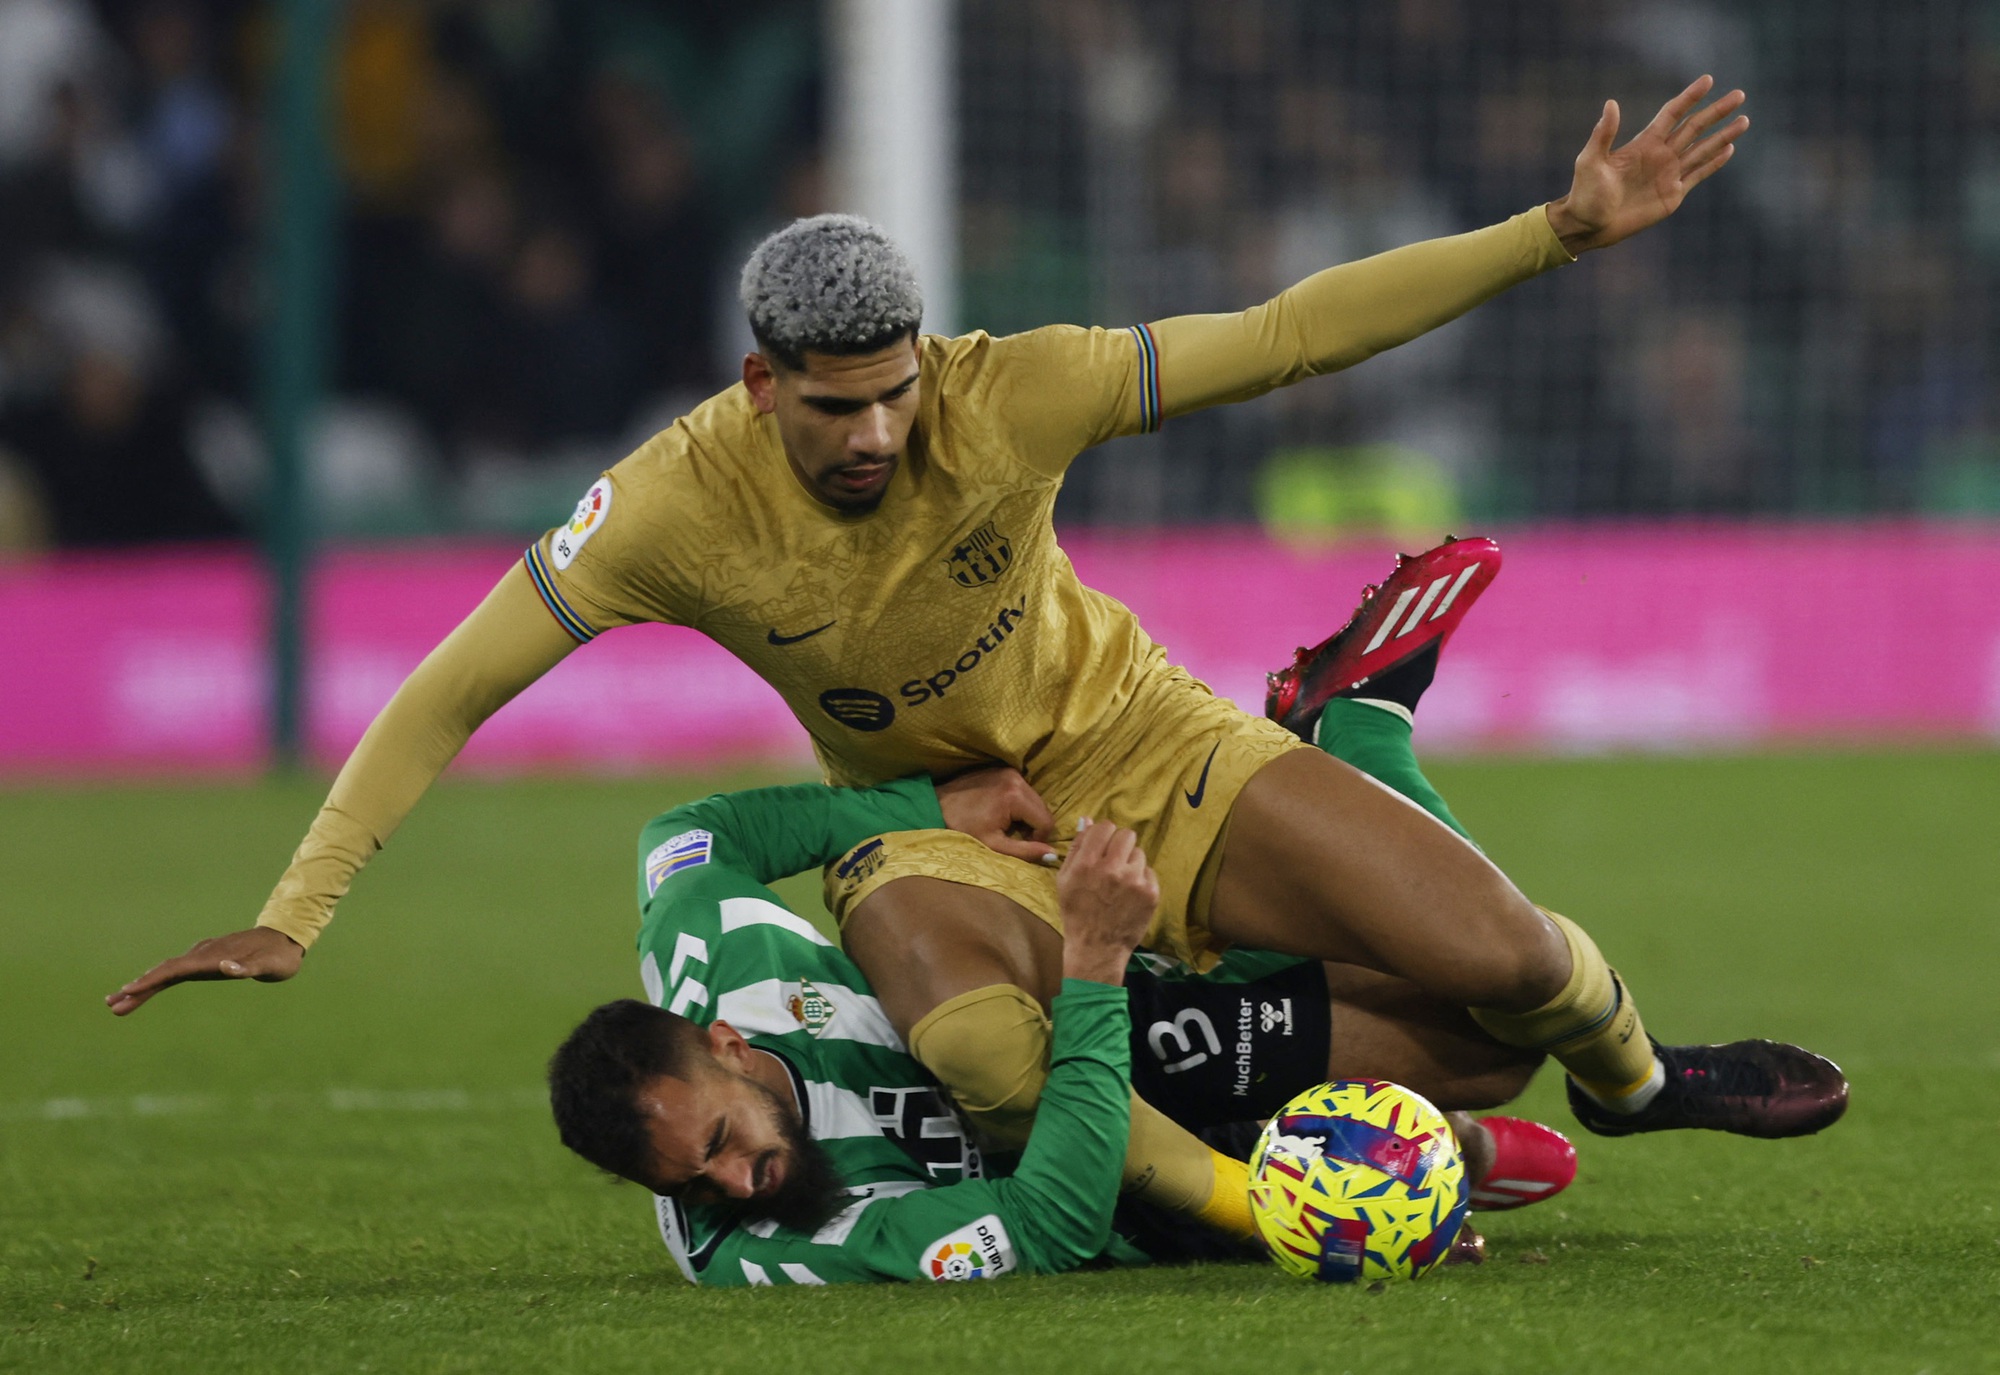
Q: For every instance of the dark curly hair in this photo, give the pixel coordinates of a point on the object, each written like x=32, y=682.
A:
x=595, y=1076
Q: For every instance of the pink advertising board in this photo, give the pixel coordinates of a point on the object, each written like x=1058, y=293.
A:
x=1593, y=638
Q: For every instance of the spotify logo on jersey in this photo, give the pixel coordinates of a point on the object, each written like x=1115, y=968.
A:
x=858, y=707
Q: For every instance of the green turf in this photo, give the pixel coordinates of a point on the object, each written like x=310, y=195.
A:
x=352, y=1171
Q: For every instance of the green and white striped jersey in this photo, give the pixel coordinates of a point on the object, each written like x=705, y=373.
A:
x=716, y=944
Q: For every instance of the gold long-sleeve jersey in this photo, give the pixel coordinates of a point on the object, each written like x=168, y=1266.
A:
x=942, y=629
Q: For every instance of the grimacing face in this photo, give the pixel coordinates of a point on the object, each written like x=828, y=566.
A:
x=844, y=418
x=714, y=1134
x=730, y=1137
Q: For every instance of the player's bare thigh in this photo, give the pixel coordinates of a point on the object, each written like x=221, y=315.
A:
x=1322, y=861
x=922, y=941
x=1388, y=1028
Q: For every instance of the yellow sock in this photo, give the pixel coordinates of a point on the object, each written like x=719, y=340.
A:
x=1169, y=1167
x=1591, y=1028
x=1228, y=1207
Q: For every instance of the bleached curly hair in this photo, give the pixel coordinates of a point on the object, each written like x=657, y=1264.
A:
x=831, y=284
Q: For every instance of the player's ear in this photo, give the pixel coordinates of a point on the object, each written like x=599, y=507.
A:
x=760, y=379
x=728, y=1047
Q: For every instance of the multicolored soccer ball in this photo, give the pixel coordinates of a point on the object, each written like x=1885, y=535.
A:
x=1358, y=1180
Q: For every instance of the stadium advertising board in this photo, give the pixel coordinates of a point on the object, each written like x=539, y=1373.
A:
x=1593, y=638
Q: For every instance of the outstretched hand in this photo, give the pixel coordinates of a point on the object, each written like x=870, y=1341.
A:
x=260, y=953
x=1619, y=191
x=997, y=807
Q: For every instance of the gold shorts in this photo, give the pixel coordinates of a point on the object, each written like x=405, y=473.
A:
x=1169, y=767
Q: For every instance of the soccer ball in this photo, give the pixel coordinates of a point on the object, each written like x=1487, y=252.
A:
x=1358, y=1179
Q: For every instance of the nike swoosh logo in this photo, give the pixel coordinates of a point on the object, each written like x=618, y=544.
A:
x=1201, y=785
x=775, y=638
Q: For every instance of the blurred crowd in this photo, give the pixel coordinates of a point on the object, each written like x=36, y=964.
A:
x=1814, y=332
x=539, y=202
x=543, y=203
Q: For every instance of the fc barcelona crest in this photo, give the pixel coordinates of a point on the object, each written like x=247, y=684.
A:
x=980, y=558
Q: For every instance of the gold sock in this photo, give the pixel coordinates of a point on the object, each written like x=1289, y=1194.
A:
x=1169, y=1167
x=1591, y=1027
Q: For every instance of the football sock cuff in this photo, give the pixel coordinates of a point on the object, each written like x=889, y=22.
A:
x=1406, y=683
x=1591, y=1028
x=1395, y=709
x=1374, y=737
x=990, y=1048
x=1228, y=1206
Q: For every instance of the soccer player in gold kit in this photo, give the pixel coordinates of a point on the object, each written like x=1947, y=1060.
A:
x=866, y=521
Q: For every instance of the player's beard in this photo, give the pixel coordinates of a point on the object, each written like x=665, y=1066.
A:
x=812, y=1191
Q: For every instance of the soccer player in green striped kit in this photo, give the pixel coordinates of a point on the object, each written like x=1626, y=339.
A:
x=789, y=1137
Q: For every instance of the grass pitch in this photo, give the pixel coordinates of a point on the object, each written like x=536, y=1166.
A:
x=354, y=1171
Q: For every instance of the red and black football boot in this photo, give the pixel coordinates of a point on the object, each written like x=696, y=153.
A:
x=1528, y=1163
x=1752, y=1088
x=1410, y=614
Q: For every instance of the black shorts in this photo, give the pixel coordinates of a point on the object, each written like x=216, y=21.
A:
x=1206, y=1052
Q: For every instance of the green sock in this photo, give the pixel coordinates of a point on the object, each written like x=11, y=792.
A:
x=1376, y=740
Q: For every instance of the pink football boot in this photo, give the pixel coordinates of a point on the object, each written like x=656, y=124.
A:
x=1531, y=1162
x=1416, y=609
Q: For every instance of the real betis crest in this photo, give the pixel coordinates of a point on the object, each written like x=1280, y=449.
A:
x=980, y=558
x=811, y=1008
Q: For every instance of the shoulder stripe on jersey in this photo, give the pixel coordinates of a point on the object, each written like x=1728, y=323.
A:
x=738, y=913
x=765, y=1008
x=1149, y=379
x=755, y=1273
x=799, y=1274
x=538, y=572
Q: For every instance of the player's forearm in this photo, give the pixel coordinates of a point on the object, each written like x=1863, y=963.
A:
x=504, y=645
x=773, y=833
x=1344, y=315
x=1061, y=1199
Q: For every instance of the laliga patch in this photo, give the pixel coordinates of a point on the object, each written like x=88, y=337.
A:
x=669, y=857
x=568, y=542
x=977, y=1251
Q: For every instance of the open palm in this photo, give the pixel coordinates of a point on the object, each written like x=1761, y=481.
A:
x=1619, y=191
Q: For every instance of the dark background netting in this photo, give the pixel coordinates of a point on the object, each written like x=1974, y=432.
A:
x=1813, y=333
x=544, y=204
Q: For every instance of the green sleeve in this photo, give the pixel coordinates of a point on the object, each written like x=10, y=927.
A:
x=1053, y=1214
x=1066, y=1188
x=773, y=833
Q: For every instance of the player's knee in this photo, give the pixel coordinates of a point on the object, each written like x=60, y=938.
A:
x=990, y=1048
x=1524, y=967
x=1495, y=1087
